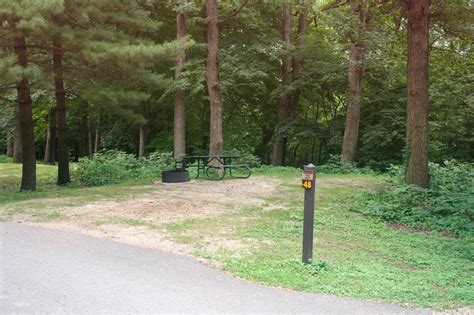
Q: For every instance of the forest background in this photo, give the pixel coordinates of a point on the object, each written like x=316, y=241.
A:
x=280, y=82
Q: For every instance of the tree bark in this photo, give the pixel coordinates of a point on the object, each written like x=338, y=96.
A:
x=50, y=151
x=418, y=103
x=63, y=151
x=89, y=136
x=18, y=146
x=141, y=144
x=266, y=138
x=28, y=178
x=355, y=79
x=10, y=142
x=279, y=144
x=298, y=62
x=84, y=138
x=97, y=137
x=216, y=145
x=179, y=127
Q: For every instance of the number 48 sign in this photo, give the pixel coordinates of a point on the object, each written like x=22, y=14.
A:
x=307, y=184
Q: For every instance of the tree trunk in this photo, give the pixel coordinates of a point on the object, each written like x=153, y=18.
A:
x=298, y=62
x=355, y=79
x=83, y=139
x=28, y=178
x=10, y=142
x=63, y=151
x=180, y=95
x=216, y=145
x=418, y=102
x=279, y=144
x=265, y=138
x=89, y=137
x=141, y=144
x=18, y=146
x=97, y=137
x=278, y=151
x=205, y=123
x=50, y=151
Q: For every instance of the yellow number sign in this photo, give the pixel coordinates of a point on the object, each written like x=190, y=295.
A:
x=307, y=184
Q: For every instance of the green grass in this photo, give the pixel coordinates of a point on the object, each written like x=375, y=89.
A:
x=12, y=201
x=49, y=216
x=354, y=255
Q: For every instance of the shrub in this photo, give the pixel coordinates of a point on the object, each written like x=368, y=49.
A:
x=245, y=158
x=5, y=159
x=380, y=166
x=447, y=205
x=336, y=166
x=106, y=167
x=110, y=167
x=157, y=162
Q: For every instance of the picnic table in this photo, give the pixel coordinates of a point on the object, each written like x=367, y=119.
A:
x=213, y=166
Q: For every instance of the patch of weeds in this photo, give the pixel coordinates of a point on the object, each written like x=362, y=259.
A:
x=131, y=221
x=446, y=206
x=14, y=211
x=49, y=216
x=314, y=268
x=128, y=222
x=100, y=222
x=229, y=206
x=134, y=222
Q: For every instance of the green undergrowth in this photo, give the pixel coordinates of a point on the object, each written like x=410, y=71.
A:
x=5, y=159
x=354, y=255
x=446, y=206
x=111, y=167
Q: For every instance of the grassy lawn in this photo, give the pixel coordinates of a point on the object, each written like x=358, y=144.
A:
x=48, y=194
x=354, y=255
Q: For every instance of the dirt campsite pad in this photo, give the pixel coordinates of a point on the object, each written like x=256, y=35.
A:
x=140, y=220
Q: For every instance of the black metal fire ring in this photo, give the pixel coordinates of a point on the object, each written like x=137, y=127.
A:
x=174, y=176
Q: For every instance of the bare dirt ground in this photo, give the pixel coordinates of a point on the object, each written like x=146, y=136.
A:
x=140, y=219
x=137, y=220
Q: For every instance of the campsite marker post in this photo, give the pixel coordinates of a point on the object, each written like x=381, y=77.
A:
x=308, y=221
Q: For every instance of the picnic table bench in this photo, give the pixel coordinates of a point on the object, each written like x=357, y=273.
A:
x=213, y=166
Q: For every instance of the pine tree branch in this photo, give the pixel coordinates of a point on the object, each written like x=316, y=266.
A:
x=50, y=48
x=74, y=22
x=334, y=5
x=233, y=13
